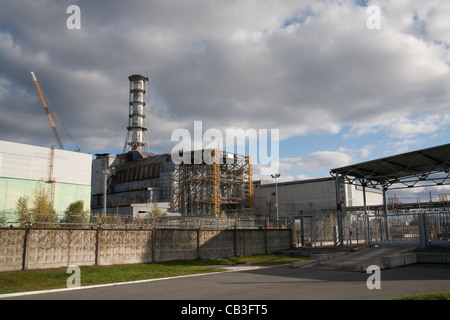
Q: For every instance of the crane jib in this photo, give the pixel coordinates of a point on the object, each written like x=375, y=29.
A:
x=38, y=88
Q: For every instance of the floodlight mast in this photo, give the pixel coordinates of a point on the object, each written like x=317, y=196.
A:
x=276, y=176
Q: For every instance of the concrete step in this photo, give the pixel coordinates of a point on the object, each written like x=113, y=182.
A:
x=395, y=261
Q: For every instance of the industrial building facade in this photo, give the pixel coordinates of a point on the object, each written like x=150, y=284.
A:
x=309, y=196
x=66, y=175
x=137, y=182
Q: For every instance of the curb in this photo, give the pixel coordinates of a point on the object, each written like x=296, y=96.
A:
x=395, y=261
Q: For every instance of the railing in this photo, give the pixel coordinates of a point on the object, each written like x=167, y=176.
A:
x=421, y=227
x=34, y=220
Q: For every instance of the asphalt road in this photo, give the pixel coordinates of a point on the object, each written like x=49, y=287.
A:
x=269, y=283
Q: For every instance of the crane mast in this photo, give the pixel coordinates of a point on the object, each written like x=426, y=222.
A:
x=38, y=88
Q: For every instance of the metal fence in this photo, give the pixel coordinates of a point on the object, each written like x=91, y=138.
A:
x=33, y=220
x=420, y=227
x=315, y=230
x=319, y=229
x=423, y=227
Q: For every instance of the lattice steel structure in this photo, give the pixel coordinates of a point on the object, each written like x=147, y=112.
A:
x=421, y=168
x=202, y=189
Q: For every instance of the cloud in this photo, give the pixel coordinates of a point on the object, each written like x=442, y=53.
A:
x=411, y=128
x=316, y=161
x=403, y=129
x=303, y=67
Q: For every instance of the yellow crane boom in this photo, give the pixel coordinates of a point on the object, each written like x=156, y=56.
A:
x=38, y=88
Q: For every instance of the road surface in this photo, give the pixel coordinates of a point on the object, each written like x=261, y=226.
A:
x=269, y=283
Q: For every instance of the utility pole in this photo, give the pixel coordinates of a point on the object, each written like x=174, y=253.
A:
x=105, y=186
x=276, y=176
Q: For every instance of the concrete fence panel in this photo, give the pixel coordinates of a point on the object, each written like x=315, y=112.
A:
x=47, y=248
x=11, y=249
x=175, y=245
x=277, y=240
x=216, y=244
x=124, y=246
x=250, y=242
x=23, y=248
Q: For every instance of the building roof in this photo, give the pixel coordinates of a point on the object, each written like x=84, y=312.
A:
x=260, y=183
x=138, y=159
x=426, y=167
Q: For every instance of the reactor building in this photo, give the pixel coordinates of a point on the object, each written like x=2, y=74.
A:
x=137, y=181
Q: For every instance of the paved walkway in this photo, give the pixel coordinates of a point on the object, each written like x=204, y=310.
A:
x=357, y=260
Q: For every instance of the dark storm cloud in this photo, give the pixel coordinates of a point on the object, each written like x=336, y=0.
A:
x=300, y=66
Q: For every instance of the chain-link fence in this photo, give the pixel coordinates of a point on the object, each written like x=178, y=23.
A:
x=319, y=229
x=419, y=227
x=33, y=220
x=315, y=230
x=414, y=227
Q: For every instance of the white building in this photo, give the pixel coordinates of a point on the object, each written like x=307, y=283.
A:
x=66, y=174
x=309, y=196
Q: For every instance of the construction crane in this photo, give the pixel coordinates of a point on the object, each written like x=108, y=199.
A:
x=38, y=88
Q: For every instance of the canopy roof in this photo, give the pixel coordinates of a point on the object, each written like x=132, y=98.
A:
x=421, y=168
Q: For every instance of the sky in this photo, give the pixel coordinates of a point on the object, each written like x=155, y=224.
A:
x=342, y=82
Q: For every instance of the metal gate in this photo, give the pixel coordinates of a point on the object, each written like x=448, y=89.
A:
x=422, y=228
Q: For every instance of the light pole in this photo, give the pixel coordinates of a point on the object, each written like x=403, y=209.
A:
x=105, y=188
x=276, y=176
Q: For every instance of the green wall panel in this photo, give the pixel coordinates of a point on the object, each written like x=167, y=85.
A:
x=65, y=193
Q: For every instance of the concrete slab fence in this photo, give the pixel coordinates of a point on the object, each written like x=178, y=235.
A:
x=25, y=248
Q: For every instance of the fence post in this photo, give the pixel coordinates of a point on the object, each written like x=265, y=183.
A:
x=366, y=217
x=198, y=244
x=154, y=244
x=339, y=211
x=25, y=246
x=302, y=229
x=235, y=239
x=97, y=246
x=350, y=236
x=423, y=230
x=386, y=215
x=265, y=241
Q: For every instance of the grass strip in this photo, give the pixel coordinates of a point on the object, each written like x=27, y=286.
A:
x=45, y=279
x=438, y=295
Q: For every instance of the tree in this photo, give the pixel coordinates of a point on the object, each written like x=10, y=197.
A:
x=75, y=214
x=22, y=210
x=156, y=212
x=44, y=214
x=223, y=216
